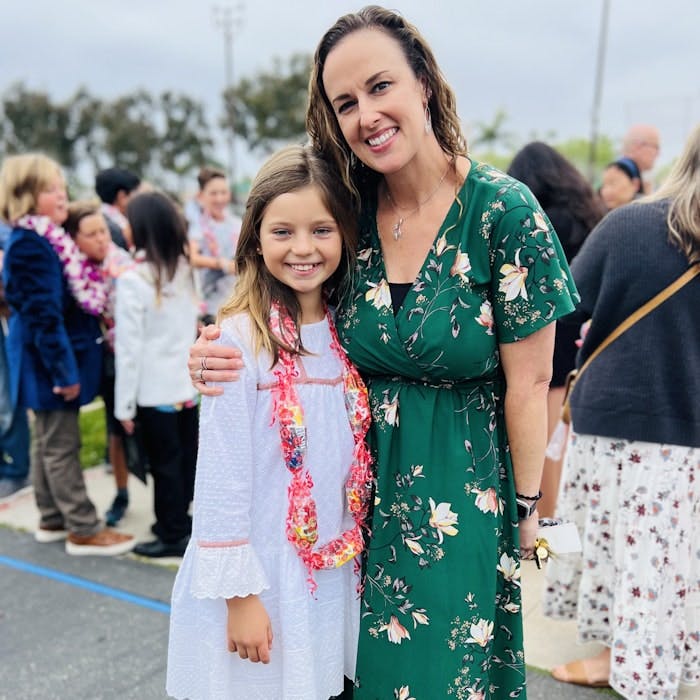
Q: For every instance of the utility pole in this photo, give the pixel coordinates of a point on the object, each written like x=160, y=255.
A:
x=598, y=88
x=227, y=18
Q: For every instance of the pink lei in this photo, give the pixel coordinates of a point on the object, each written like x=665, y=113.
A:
x=85, y=278
x=302, y=526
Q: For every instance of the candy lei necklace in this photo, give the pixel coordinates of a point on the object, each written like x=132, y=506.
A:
x=85, y=278
x=302, y=525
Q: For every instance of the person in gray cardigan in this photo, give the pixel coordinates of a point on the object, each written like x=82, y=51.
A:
x=631, y=479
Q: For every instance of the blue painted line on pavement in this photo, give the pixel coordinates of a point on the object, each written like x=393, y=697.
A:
x=85, y=584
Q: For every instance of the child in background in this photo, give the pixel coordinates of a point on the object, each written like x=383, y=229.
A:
x=213, y=238
x=53, y=348
x=270, y=574
x=89, y=229
x=155, y=323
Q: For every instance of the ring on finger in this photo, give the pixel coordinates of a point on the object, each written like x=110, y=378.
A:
x=199, y=376
x=203, y=362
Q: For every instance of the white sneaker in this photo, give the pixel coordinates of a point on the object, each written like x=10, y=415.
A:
x=45, y=535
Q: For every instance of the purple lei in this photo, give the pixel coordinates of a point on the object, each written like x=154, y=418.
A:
x=85, y=278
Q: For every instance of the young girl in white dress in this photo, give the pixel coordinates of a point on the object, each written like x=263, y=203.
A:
x=265, y=605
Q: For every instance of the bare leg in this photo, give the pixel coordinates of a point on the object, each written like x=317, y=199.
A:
x=551, y=473
x=594, y=671
x=118, y=461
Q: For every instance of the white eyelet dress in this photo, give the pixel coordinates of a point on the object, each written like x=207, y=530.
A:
x=239, y=545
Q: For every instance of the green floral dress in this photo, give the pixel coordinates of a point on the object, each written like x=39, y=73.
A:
x=441, y=610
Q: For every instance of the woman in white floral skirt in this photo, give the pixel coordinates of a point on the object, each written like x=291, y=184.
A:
x=630, y=481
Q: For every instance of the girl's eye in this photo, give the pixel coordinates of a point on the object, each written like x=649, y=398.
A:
x=280, y=232
x=323, y=231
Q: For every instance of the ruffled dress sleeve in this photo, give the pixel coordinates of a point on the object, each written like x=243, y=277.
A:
x=225, y=563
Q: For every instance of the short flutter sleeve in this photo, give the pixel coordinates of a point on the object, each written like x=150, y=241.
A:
x=532, y=285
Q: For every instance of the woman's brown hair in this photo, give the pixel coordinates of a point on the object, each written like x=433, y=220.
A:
x=321, y=122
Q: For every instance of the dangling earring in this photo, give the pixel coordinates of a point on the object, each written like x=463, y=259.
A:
x=428, y=119
x=353, y=160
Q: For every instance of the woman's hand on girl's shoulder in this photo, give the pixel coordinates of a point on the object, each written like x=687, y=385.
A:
x=209, y=362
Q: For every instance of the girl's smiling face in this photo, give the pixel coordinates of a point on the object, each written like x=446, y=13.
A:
x=301, y=246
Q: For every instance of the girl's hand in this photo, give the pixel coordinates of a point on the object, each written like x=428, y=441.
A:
x=248, y=629
x=128, y=426
x=212, y=363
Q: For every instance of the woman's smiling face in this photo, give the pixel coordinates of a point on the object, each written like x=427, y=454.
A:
x=377, y=99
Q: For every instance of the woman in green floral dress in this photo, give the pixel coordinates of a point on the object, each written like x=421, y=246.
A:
x=458, y=282
x=441, y=606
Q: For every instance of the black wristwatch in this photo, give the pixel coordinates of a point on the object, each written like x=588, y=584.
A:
x=525, y=508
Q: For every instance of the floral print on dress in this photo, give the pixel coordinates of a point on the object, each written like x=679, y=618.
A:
x=636, y=585
x=514, y=278
x=445, y=497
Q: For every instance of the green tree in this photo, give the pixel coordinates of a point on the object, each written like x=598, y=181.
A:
x=577, y=150
x=33, y=122
x=269, y=108
x=85, y=112
x=492, y=136
x=127, y=134
x=185, y=142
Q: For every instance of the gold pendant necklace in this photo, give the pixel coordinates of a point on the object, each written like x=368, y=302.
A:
x=396, y=229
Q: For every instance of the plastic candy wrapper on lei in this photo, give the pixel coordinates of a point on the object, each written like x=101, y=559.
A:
x=302, y=519
x=302, y=523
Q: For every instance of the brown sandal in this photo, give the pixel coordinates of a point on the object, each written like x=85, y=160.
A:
x=576, y=672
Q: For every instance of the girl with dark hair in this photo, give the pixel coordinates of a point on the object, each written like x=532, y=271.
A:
x=155, y=322
x=574, y=209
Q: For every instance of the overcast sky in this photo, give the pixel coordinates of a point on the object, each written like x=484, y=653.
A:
x=533, y=58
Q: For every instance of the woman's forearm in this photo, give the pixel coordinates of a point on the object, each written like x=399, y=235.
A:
x=526, y=423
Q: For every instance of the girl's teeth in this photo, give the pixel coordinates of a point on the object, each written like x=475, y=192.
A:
x=302, y=268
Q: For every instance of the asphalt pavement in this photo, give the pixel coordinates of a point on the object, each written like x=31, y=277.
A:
x=96, y=628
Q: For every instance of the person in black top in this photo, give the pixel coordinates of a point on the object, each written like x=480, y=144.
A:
x=574, y=209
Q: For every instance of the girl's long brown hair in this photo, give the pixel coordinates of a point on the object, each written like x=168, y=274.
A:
x=290, y=169
x=158, y=228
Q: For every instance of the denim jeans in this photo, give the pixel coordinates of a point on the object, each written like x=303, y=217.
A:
x=14, y=427
x=14, y=447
